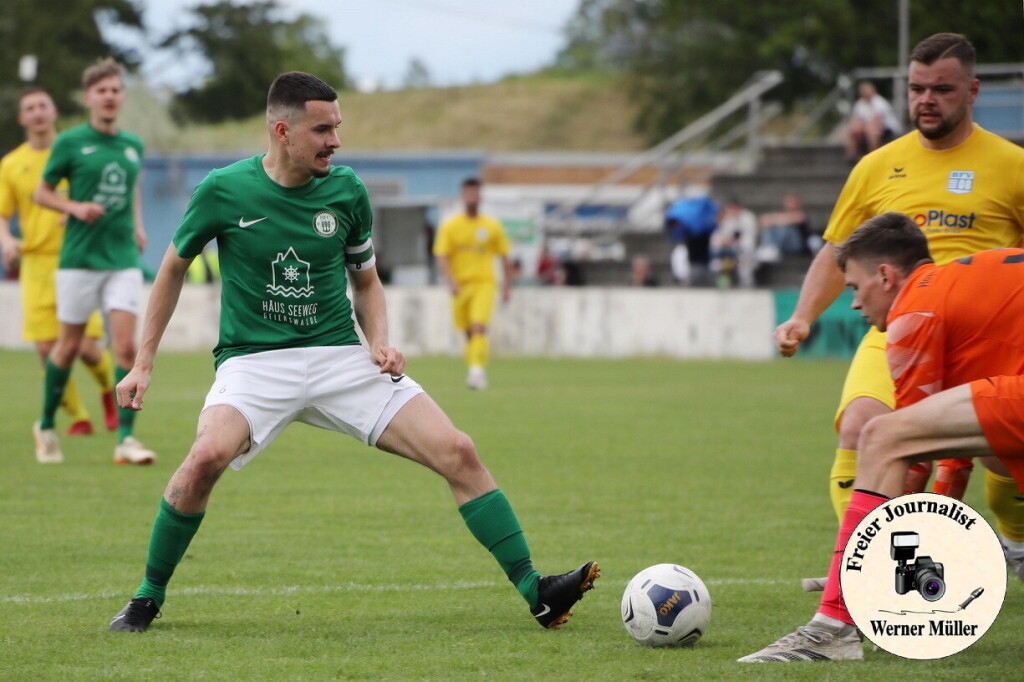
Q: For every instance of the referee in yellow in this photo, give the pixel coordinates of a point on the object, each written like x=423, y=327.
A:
x=465, y=247
x=42, y=231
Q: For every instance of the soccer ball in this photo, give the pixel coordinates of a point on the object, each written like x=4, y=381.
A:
x=666, y=605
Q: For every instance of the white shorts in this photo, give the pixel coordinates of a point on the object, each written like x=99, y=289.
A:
x=79, y=292
x=332, y=387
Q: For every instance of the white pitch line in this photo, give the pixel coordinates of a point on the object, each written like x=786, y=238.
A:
x=320, y=589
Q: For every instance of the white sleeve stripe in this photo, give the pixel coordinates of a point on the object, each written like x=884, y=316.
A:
x=359, y=248
x=365, y=265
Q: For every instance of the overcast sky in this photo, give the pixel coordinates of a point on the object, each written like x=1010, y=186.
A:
x=460, y=41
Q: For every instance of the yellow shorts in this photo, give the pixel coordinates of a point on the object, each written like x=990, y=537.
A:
x=474, y=304
x=39, y=300
x=868, y=376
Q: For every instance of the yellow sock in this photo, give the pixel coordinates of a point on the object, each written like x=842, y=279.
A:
x=72, y=402
x=1003, y=499
x=103, y=372
x=840, y=483
x=477, y=350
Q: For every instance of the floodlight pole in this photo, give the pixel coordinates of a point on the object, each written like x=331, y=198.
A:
x=899, y=81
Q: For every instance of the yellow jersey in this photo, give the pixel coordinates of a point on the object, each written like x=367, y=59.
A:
x=966, y=199
x=42, y=229
x=471, y=245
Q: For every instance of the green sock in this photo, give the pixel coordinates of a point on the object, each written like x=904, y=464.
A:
x=493, y=523
x=172, y=533
x=53, y=390
x=125, y=416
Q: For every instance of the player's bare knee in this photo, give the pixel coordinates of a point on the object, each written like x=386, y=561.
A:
x=208, y=459
x=461, y=459
x=879, y=441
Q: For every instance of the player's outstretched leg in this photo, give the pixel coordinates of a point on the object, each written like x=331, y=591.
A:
x=557, y=594
x=816, y=641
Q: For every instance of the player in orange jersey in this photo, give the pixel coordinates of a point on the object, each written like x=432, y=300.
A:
x=955, y=349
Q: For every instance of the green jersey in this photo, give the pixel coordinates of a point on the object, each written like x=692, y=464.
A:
x=103, y=169
x=283, y=253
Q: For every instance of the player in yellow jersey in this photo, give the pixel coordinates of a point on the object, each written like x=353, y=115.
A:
x=964, y=187
x=42, y=231
x=465, y=247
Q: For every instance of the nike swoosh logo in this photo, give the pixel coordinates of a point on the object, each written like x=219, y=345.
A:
x=547, y=610
x=395, y=380
x=242, y=222
x=118, y=617
x=88, y=150
x=845, y=484
x=898, y=170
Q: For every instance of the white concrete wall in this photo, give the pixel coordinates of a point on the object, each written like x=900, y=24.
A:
x=538, y=321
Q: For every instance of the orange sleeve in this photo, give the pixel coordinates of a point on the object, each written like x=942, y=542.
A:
x=915, y=349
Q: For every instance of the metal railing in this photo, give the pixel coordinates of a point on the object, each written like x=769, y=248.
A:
x=749, y=96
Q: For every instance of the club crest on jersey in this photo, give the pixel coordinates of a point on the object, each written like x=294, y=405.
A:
x=289, y=276
x=131, y=154
x=325, y=224
x=960, y=182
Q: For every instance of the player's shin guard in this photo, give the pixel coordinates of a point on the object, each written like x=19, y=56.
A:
x=952, y=476
x=477, y=350
x=917, y=477
x=103, y=372
x=54, y=382
x=862, y=502
x=172, y=533
x=71, y=401
x=125, y=416
x=1003, y=499
x=840, y=484
x=493, y=523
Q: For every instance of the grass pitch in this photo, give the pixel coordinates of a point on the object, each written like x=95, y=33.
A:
x=324, y=559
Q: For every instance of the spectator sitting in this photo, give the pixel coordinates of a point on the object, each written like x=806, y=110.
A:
x=872, y=124
x=734, y=244
x=784, y=233
x=641, y=273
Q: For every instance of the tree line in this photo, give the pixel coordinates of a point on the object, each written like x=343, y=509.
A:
x=677, y=58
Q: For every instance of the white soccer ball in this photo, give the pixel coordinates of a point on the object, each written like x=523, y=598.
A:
x=666, y=605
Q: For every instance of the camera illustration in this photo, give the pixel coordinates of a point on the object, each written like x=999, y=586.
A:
x=923, y=575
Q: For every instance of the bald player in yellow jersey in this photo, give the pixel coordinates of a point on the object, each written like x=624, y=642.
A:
x=964, y=187
x=36, y=253
x=465, y=247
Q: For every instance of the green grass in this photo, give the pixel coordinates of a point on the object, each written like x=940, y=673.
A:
x=324, y=559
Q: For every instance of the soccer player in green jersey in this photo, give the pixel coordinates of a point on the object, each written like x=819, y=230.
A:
x=99, y=259
x=291, y=229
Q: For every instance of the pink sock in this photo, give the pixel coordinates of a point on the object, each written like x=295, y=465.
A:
x=862, y=502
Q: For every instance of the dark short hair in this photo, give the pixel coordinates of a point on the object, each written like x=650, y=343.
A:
x=888, y=238
x=290, y=91
x=104, y=68
x=471, y=182
x=942, y=46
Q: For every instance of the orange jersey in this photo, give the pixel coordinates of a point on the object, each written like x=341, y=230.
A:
x=954, y=324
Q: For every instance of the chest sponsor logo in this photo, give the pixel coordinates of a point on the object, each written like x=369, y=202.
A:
x=289, y=276
x=112, y=192
x=960, y=182
x=325, y=223
x=289, y=279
